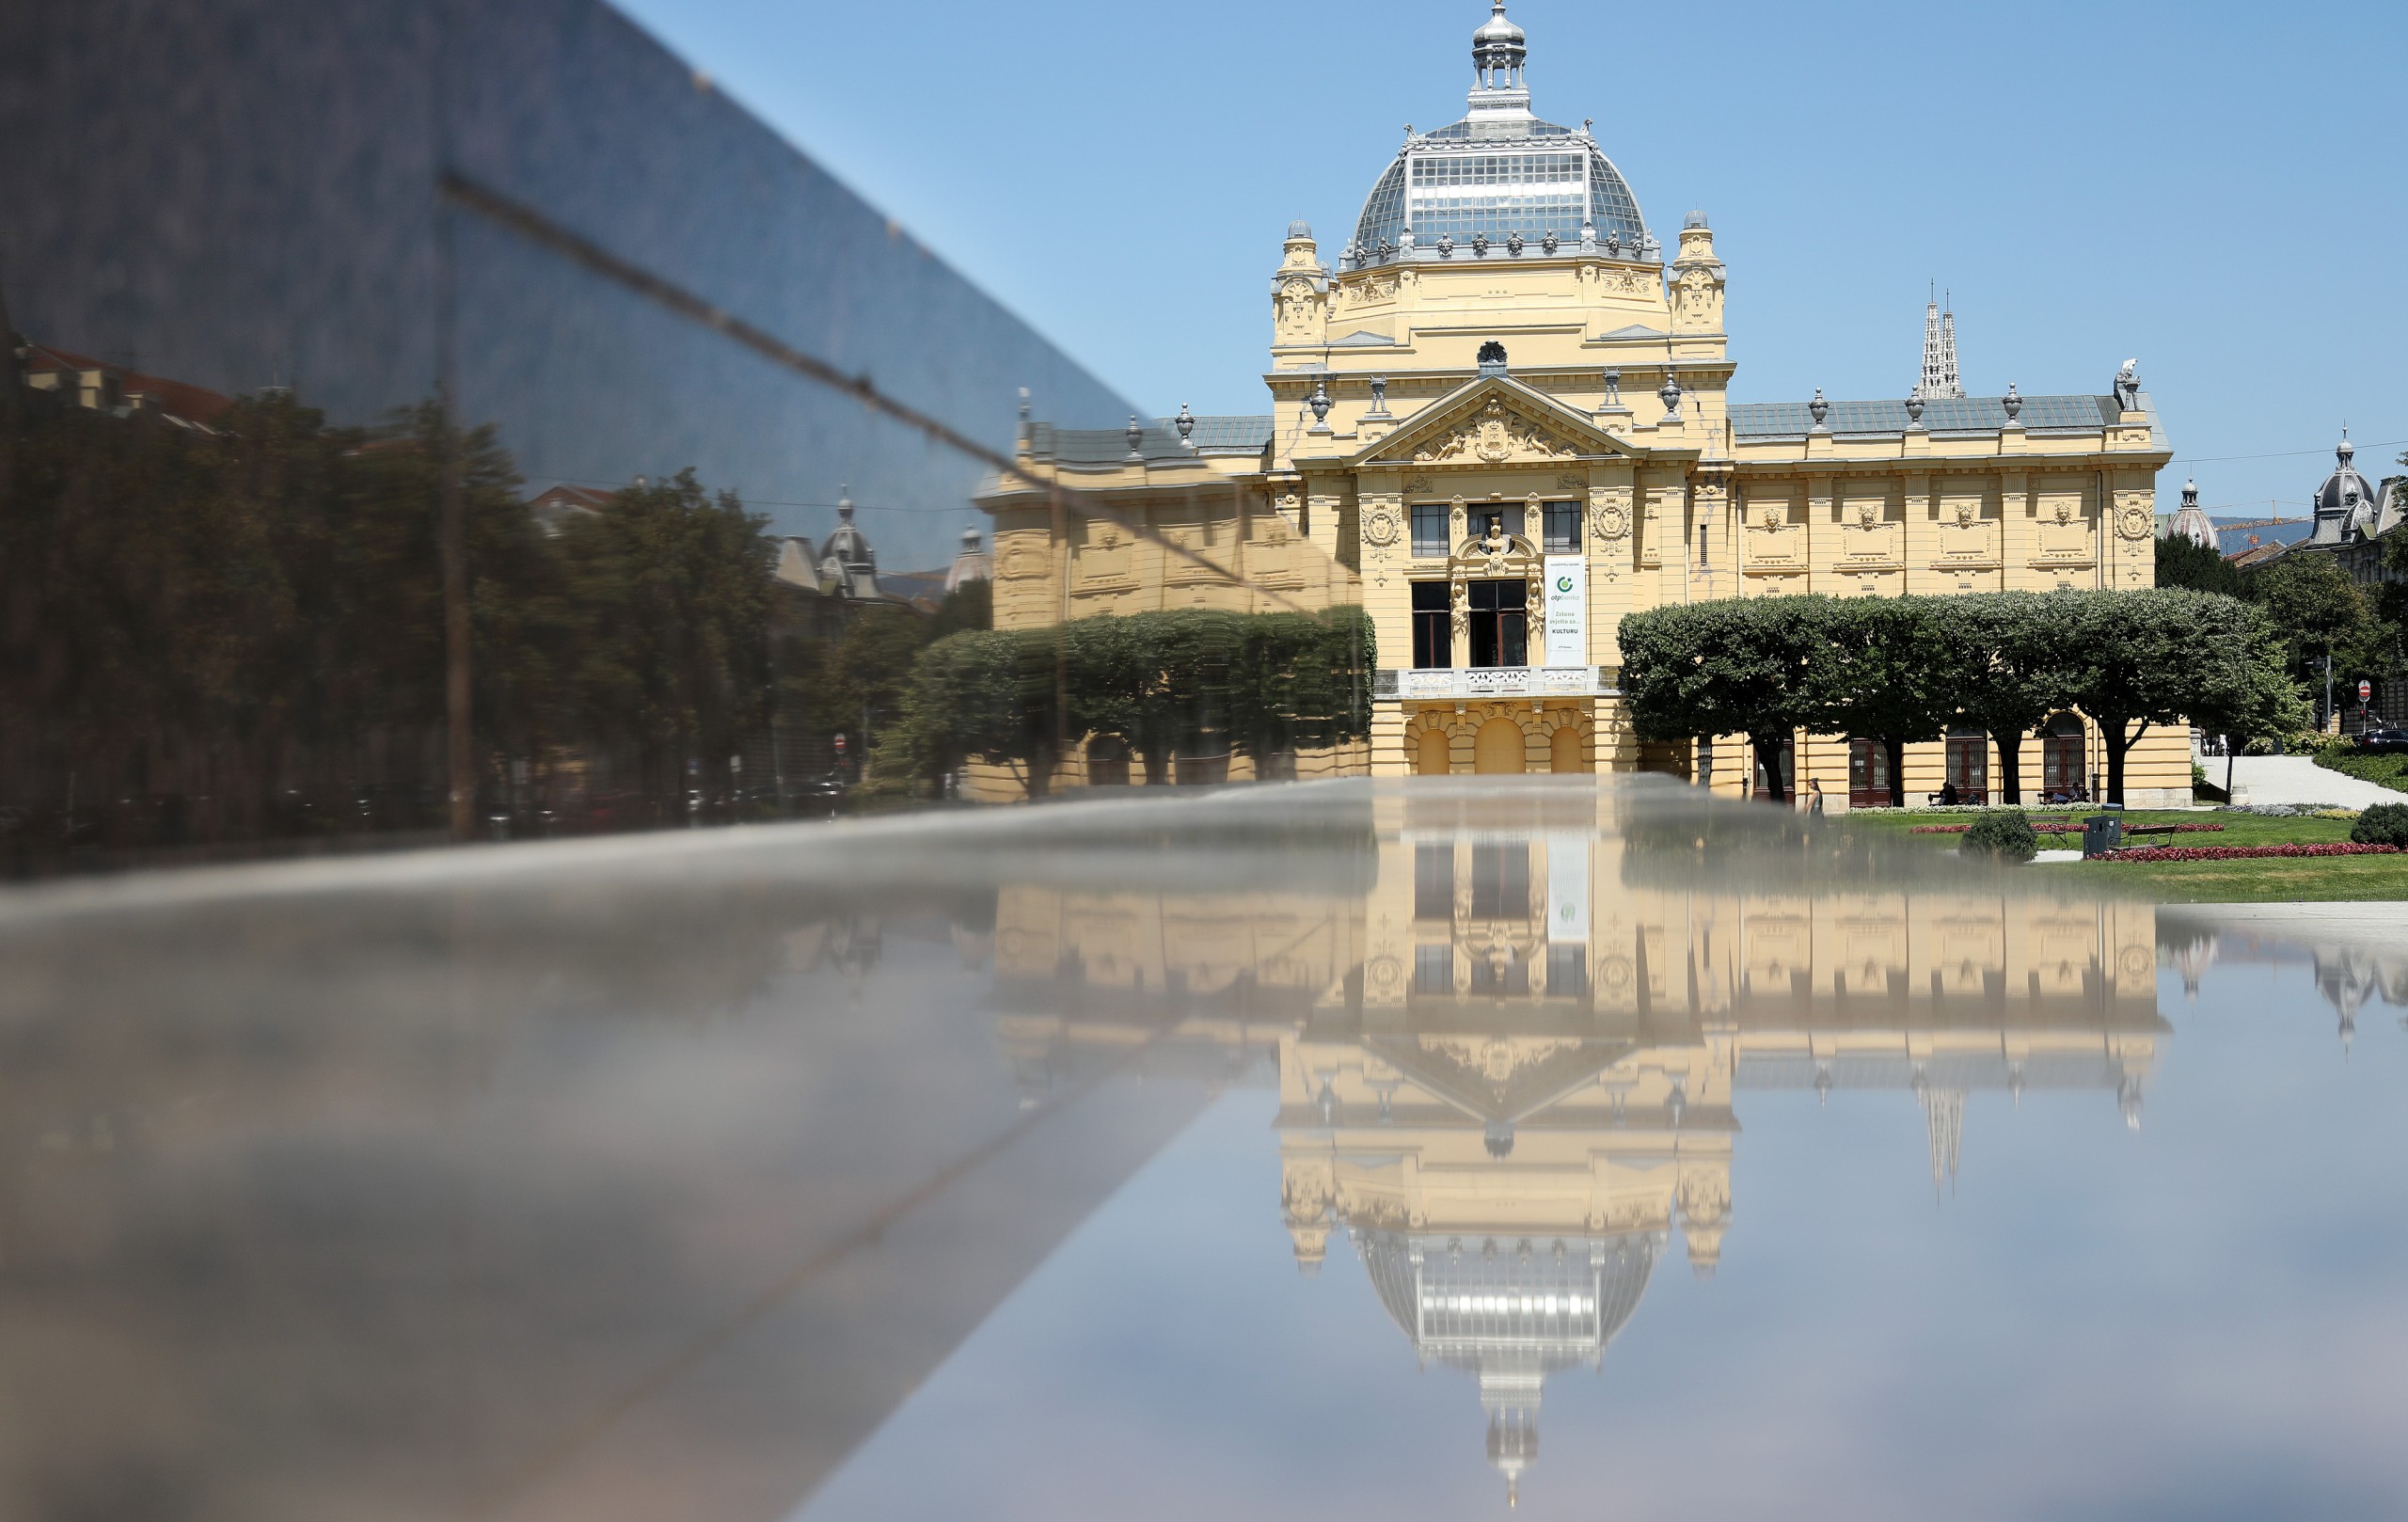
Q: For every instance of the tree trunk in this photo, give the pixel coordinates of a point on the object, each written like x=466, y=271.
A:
x=1897, y=751
x=2010, y=768
x=2119, y=744
x=1766, y=752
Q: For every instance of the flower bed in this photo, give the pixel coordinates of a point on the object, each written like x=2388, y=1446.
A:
x=2242, y=854
x=2062, y=828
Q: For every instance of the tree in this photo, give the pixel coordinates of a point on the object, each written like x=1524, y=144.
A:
x=673, y=591
x=1736, y=665
x=2167, y=655
x=1885, y=673
x=2006, y=663
x=2183, y=561
x=981, y=694
x=2322, y=615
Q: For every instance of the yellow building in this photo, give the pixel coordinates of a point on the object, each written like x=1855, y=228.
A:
x=1502, y=420
x=1509, y=1072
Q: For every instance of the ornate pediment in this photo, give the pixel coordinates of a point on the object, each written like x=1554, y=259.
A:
x=1495, y=422
x=1499, y=1078
x=1495, y=435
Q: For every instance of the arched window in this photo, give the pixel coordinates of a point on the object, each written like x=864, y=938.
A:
x=1431, y=755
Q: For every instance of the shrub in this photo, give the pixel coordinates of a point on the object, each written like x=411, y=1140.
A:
x=2003, y=834
x=2384, y=824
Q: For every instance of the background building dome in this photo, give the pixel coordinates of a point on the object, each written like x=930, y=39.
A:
x=1498, y=171
x=2346, y=498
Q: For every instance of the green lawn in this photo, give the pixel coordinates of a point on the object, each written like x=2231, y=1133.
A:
x=2329, y=879
x=2387, y=770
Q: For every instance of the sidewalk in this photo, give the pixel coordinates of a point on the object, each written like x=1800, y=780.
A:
x=2296, y=779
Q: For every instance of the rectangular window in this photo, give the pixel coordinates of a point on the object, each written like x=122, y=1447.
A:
x=1567, y=972
x=1563, y=520
x=1500, y=881
x=1433, y=969
x=1433, y=881
x=1969, y=767
x=1429, y=529
x=1433, y=634
x=1499, y=625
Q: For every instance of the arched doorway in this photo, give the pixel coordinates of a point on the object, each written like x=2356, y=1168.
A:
x=1565, y=751
x=1431, y=755
x=1497, y=747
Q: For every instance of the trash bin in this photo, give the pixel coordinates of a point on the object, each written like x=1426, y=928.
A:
x=2102, y=833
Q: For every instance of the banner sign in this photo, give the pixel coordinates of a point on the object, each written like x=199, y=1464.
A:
x=1567, y=610
x=1567, y=886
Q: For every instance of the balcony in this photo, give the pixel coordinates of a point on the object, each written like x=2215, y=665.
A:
x=1462, y=684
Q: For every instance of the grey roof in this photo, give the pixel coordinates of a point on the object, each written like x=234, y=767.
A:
x=1363, y=338
x=1941, y=415
x=1224, y=434
x=1635, y=330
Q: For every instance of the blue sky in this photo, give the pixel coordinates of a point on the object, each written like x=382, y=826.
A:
x=2214, y=188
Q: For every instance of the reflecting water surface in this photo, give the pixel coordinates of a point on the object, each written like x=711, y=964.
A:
x=1331, y=1149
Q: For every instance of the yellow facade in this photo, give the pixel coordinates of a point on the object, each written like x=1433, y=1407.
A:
x=1604, y=397
x=1508, y=1075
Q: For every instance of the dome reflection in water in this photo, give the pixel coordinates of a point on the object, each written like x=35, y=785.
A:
x=865, y=1170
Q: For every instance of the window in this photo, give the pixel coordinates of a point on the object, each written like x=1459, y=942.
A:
x=1562, y=521
x=1500, y=628
x=1969, y=767
x=1433, y=969
x=1567, y=970
x=2061, y=748
x=1429, y=529
x=1500, y=881
x=1433, y=881
x=1433, y=635
x=1868, y=774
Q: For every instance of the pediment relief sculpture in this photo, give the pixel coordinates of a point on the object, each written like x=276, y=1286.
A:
x=1493, y=436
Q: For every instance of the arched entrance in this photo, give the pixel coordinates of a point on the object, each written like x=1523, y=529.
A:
x=1430, y=757
x=1565, y=752
x=1497, y=747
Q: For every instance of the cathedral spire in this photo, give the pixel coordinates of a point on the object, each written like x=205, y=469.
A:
x=1939, y=354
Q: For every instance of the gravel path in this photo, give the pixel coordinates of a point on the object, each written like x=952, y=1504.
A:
x=2296, y=779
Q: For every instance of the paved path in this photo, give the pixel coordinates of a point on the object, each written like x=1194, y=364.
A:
x=2296, y=779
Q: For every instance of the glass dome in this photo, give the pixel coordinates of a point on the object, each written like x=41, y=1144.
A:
x=1498, y=172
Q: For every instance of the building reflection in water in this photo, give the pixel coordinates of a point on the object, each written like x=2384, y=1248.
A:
x=1511, y=1068
x=2356, y=959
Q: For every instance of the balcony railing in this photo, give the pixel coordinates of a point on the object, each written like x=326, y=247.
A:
x=1463, y=683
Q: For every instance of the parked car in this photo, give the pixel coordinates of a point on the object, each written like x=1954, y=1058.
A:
x=2385, y=742
x=822, y=797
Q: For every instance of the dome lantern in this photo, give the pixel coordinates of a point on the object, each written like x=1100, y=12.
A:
x=1497, y=50
x=1497, y=176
